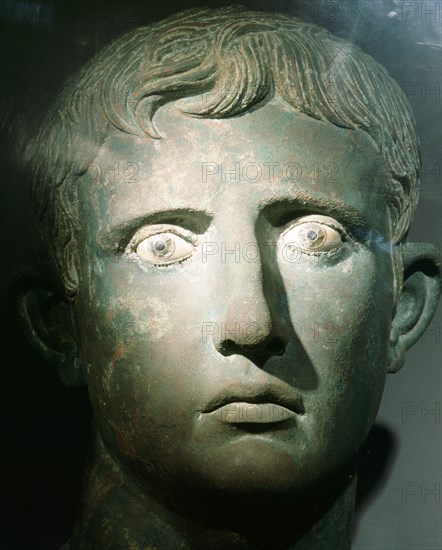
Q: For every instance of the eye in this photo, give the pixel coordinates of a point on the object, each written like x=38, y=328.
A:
x=314, y=234
x=161, y=245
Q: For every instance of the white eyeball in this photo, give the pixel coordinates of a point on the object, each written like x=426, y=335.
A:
x=313, y=234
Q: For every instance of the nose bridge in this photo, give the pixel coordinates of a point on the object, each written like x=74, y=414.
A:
x=247, y=304
x=248, y=318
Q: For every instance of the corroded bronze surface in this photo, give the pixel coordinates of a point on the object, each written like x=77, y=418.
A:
x=234, y=283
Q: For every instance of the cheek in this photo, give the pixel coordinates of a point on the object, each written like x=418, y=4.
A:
x=138, y=400
x=342, y=319
x=117, y=328
x=143, y=386
x=334, y=307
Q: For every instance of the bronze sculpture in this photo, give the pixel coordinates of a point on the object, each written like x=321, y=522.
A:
x=267, y=394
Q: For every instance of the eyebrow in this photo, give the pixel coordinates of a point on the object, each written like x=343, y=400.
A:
x=345, y=213
x=194, y=219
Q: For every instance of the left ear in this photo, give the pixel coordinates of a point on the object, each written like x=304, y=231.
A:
x=417, y=302
x=48, y=321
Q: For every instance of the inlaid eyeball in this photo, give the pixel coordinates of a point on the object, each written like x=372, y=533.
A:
x=164, y=248
x=314, y=234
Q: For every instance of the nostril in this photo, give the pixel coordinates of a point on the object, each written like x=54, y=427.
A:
x=258, y=354
x=229, y=347
x=275, y=347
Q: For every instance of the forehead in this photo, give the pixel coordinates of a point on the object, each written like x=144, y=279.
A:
x=270, y=154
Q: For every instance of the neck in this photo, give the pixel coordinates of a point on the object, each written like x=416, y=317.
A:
x=116, y=513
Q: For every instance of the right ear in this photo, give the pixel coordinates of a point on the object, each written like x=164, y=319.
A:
x=48, y=321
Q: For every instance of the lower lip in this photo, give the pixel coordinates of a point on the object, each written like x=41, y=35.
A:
x=252, y=413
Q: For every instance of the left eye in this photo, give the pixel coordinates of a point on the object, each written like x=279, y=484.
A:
x=314, y=234
x=164, y=248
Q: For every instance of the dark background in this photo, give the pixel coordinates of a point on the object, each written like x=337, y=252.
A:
x=45, y=428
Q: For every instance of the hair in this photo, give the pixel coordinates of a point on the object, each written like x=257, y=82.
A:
x=253, y=55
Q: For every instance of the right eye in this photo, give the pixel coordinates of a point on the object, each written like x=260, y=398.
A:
x=162, y=244
x=314, y=234
x=164, y=248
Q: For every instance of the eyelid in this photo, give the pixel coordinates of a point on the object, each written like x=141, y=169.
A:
x=318, y=218
x=156, y=229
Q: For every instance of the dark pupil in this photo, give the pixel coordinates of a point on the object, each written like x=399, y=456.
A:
x=160, y=246
x=312, y=235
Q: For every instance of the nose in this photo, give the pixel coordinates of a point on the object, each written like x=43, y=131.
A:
x=250, y=326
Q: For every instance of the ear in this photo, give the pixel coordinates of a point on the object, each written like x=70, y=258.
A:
x=48, y=320
x=417, y=301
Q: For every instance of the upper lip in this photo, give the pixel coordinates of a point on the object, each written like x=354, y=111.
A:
x=257, y=394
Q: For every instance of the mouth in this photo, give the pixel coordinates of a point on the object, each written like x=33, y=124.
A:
x=269, y=405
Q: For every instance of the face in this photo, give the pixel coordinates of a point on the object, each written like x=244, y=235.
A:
x=235, y=300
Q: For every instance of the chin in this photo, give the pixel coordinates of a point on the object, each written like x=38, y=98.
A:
x=251, y=464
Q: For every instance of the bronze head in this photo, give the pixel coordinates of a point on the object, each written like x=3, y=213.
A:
x=226, y=197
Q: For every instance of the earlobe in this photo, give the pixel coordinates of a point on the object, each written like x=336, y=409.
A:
x=417, y=302
x=48, y=321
